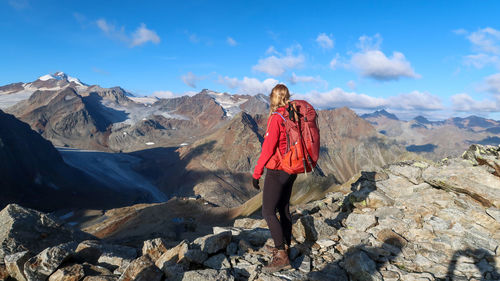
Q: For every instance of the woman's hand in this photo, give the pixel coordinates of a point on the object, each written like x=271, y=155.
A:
x=255, y=183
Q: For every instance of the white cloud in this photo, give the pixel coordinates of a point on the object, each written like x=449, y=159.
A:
x=373, y=63
x=337, y=97
x=19, y=4
x=377, y=65
x=163, y=94
x=277, y=65
x=250, y=86
x=368, y=43
x=191, y=79
x=416, y=100
x=143, y=35
x=324, y=41
x=492, y=84
x=335, y=61
x=486, y=40
x=271, y=50
x=231, y=41
x=351, y=84
x=481, y=60
x=294, y=79
x=140, y=36
x=486, y=43
x=193, y=38
x=465, y=103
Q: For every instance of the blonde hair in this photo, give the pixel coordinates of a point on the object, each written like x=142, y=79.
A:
x=279, y=96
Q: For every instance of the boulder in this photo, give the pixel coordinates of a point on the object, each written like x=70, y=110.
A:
x=15, y=264
x=142, y=269
x=154, y=248
x=213, y=243
x=101, y=278
x=41, y=266
x=207, y=275
x=68, y=273
x=218, y=262
x=24, y=229
x=171, y=256
x=116, y=257
x=361, y=267
x=360, y=222
x=462, y=178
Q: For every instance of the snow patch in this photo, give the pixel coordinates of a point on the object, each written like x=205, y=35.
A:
x=68, y=97
x=150, y=143
x=12, y=99
x=230, y=104
x=184, y=144
x=46, y=77
x=144, y=100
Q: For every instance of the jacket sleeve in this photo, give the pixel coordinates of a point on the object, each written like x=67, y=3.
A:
x=269, y=146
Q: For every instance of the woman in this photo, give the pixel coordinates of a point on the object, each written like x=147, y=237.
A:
x=277, y=184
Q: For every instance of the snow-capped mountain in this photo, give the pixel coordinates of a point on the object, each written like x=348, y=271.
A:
x=71, y=113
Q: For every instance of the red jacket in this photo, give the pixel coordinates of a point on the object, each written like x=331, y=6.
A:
x=275, y=135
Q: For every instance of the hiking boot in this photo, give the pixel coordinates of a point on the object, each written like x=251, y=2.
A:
x=270, y=249
x=279, y=262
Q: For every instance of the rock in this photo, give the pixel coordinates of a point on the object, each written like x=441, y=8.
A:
x=101, y=278
x=213, y=243
x=360, y=222
x=329, y=273
x=218, y=262
x=24, y=229
x=116, y=257
x=248, y=223
x=231, y=249
x=89, y=251
x=41, y=266
x=171, y=256
x=207, y=275
x=68, y=273
x=484, y=155
x=95, y=270
x=494, y=213
x=257, y=236
x=4, y=274
x=196, y=256
x=460, y=178
x=304, y=230
x=142, y=269
x=235, y=231
x=407, y=170
x=361, y=267
x=154, y=248
x=15, y=264
x=325, y=243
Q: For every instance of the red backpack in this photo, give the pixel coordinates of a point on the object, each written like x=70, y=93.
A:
x=302, y=135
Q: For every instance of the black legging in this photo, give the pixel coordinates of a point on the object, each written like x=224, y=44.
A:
x=277, y=191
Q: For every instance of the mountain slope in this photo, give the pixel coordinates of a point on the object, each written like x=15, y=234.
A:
x=32, y=173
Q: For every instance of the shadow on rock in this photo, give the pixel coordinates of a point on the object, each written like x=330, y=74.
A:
x=471, y=262
x=359, y=192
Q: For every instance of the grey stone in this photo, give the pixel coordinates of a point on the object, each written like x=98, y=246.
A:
x=154, y=248
x=360, y=222
x=219, y=261
x=142, y=269
x=41, y=266
x=207, y=275
x=494, y=213
x=116, y=257
x=15, y=264
x=68, y=273
x=24, y=229
x=231, y=249
x=304, y=230
x=213, y=243
x=361, y=267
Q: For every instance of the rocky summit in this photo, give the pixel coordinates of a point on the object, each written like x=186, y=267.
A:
x=411, y=220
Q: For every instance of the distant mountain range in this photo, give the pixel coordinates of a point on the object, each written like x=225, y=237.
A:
x=436, y=139
x=206, y=144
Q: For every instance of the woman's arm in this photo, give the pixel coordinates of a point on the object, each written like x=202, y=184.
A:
x=269, y=146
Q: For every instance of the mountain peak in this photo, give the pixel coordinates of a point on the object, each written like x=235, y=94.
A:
x=380, y=113
x=61, y=76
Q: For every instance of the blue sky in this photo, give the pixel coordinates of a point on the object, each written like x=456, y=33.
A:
x=435, y=58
